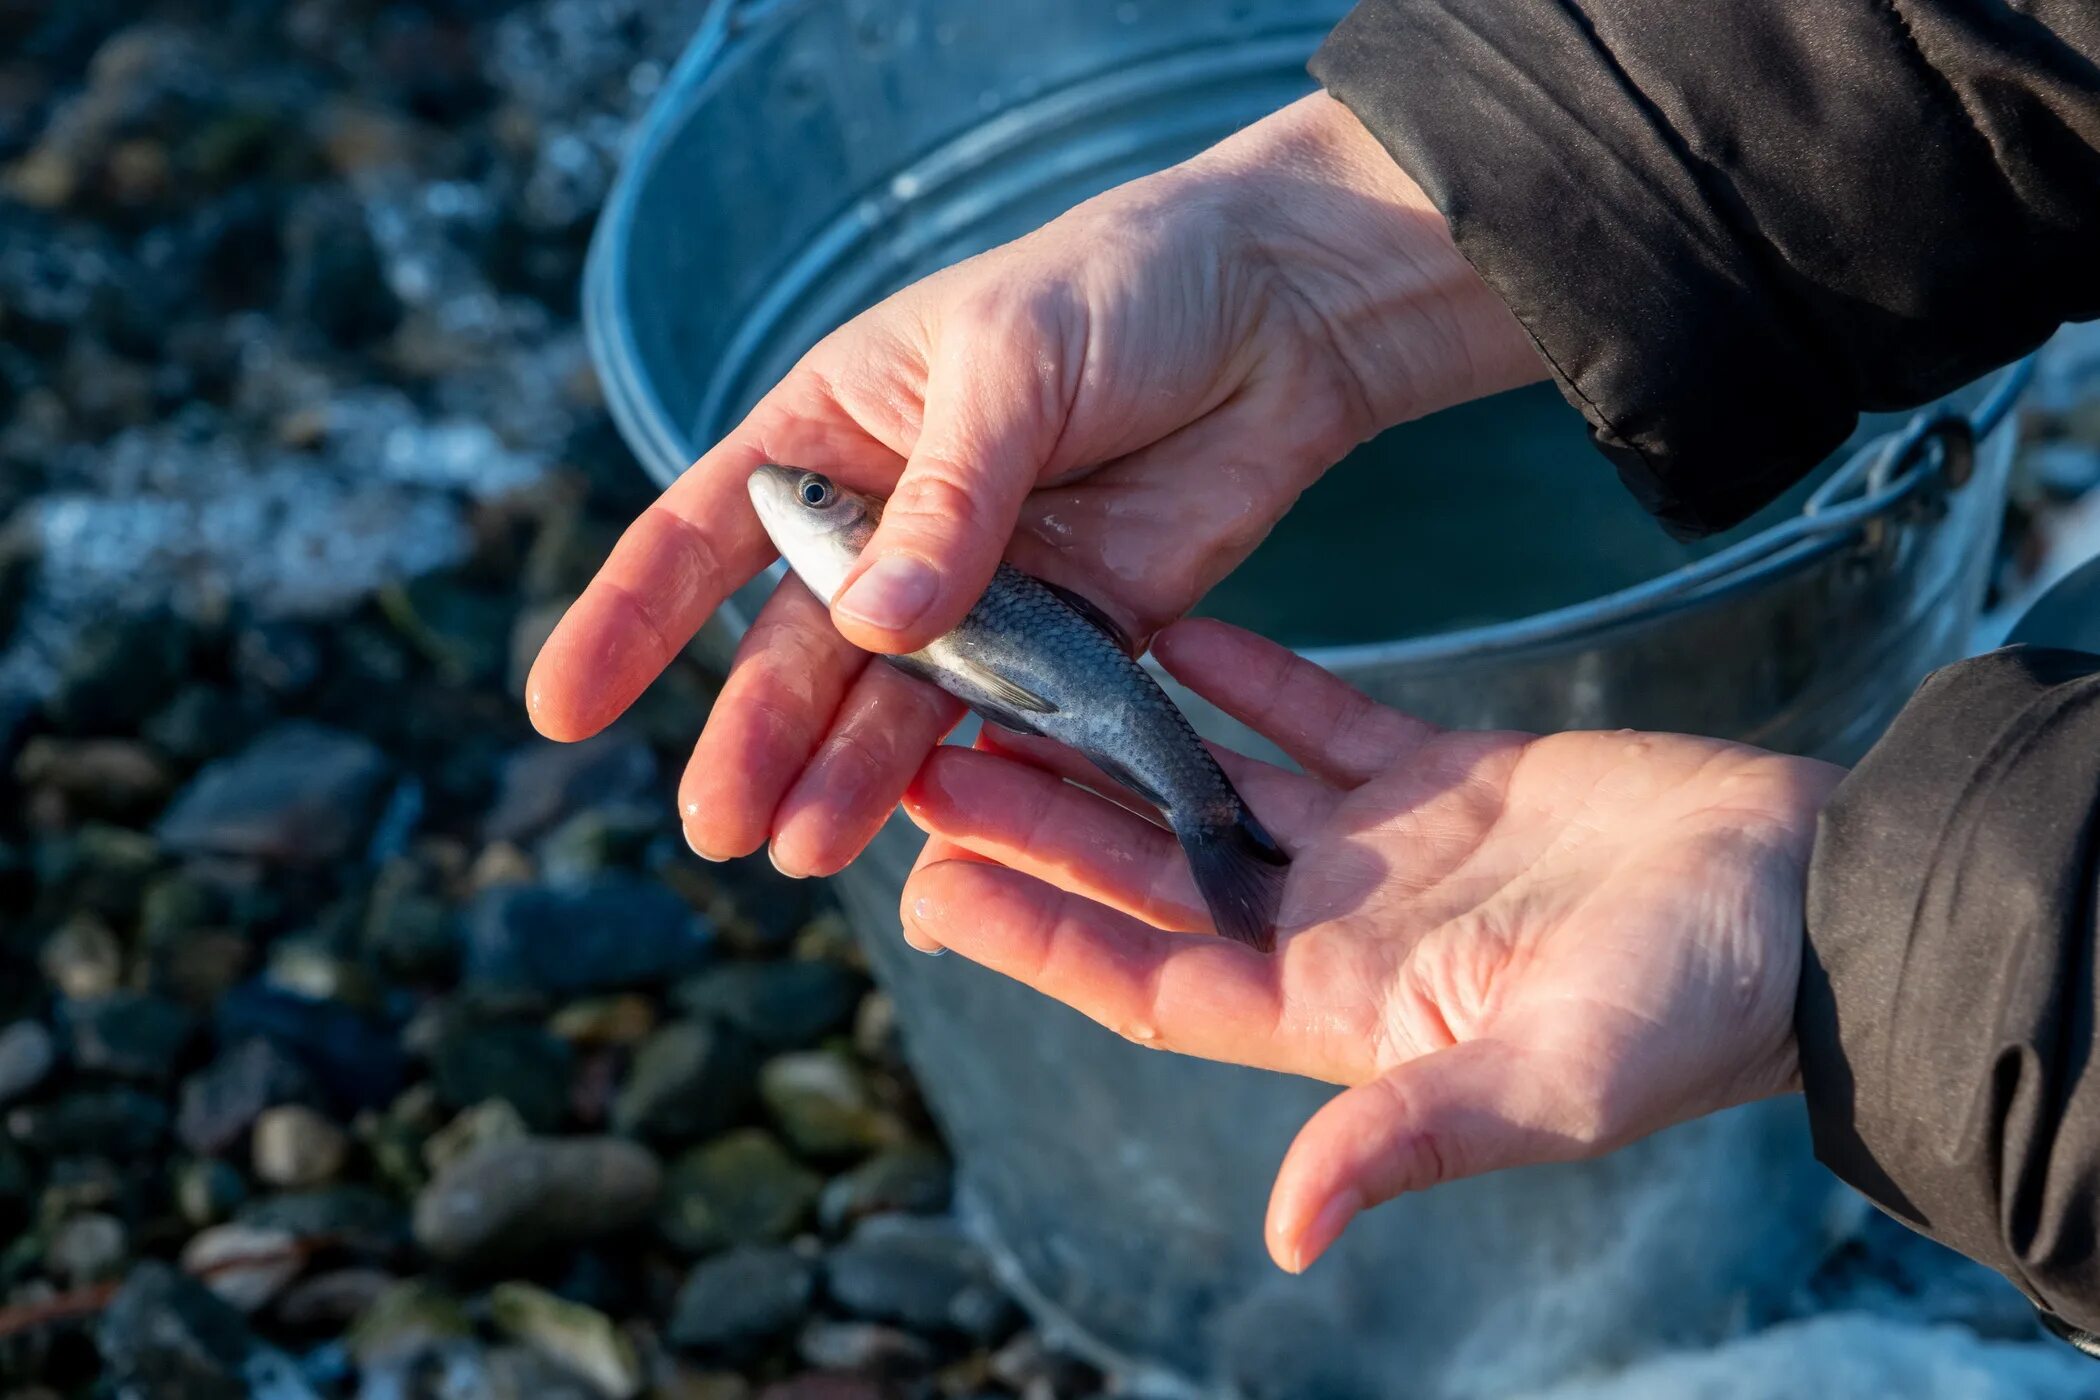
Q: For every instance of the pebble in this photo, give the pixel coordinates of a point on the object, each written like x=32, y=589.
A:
x=167, y=1337
x=689, y=1080
x=87, y=1248
x=824, y=1385
x=293, y=1146
x=742, y=1188
x=542, y=783
x=114, y=1122
x=301, y=794
x=355, y=1060
x=736, y=1303
x=921, y=1274
x=865, y=1348
x=614, y=933
x=331, y=1301
x=348, y=1218
x=780, y=1006
x=27, y=1055
x=579, y=1339
x=822, y=1102
x=83, y=958
x=129, y=1035
x=513, y=1200
x=619, y=1021
x=485, y=1124
x=408, y=1320
x=222, y=1101
x=114, y=778
x=520, y=1063
x=913, y=1180
x=244, y=1265
x=207, y=1191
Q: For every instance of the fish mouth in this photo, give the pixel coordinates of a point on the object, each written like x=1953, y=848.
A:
x=772, y=490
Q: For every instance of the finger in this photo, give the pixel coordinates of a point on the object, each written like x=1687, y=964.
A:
x=785, y=684
x=878, y=739
x=1474, y=1108
x=1321, y=721
x=1172, y=991
x=1035, y=822
x=936, y=850
x=699, y=542
x=994, y=406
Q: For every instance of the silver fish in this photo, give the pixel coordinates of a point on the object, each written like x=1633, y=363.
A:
x=1038, y=659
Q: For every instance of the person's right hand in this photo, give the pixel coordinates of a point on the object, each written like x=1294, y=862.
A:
x=1142, y=387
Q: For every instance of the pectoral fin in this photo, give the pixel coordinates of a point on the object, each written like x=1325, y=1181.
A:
x=1001, y=689
x=1091, y=611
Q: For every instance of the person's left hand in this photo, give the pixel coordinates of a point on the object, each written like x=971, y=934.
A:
x=1513, y=949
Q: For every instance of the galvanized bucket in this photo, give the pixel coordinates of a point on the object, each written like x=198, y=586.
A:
x=810, y=155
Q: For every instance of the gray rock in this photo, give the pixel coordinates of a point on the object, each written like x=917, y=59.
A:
x=408, y=1320
x=129, y=1035
x=483, y=1125
x=1029, y=1368
x=781, y=1006
x=734, y=1304
x=510, y=1201
x=26, y=1057
x=580, y=1340
x=222, y=1101
x=117, y=673
x=244, y=1265
x=296, y=1147
x=822, y=1102
x=331, y=1301
x=909, y=1180
x=614, y=933
x=920, y=1274
x=515, y=1061
x=302, y=794
x=87, y=1248
x=743, y=1188
x=409, y=931
x=83, y=958
x=164, y=1335
x=689, y=1080
x=825, y=1385
x=543, y=783
x=865, y=1348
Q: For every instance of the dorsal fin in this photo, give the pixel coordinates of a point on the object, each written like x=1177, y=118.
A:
x=1091, y=611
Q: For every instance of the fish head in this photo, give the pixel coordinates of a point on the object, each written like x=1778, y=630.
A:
x=818, y=526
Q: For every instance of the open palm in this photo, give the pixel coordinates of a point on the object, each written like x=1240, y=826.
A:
x=1123, y=402
x=1514, y=949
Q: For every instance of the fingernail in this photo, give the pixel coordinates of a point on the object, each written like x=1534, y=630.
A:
x=922, y=909
x=792, y=875
x=892, y=594
x=1327, y=1227
x=694, y=847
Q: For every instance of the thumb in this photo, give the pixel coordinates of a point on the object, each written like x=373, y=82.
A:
x=990, y=420
x=1465, y=1111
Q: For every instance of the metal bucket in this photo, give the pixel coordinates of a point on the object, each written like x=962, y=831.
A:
x=809, y=156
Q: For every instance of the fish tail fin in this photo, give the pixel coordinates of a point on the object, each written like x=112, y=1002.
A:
x=1239, y=871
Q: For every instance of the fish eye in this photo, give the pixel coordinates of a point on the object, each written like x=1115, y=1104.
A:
x=815, y=491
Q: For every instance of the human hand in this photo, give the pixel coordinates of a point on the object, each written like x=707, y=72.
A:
x=1143, y=387
x=1513, y=949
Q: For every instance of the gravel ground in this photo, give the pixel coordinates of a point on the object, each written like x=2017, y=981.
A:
x=352, y=1042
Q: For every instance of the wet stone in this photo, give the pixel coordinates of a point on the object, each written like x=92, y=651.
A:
x=117, y=674
x=824, y=1385
x=112, y=778
x=620, y=1020
x=27, y=1055
x=207, y=1191
x=349, y=1218
x=741, y=1189
x=612, y=934
x=83, y=959
x=128, y=1035
x=921, y=1274
x=302, y=794
x=412, y=1318
x=689, y=1080
x=735, y=1304
x=221, y=1102
x=781, y=1006
x=331, y=1301
x=578, y=1339
x=865, y=1348
x=514, y=1061
x=512, y=1200
x=484, y=1125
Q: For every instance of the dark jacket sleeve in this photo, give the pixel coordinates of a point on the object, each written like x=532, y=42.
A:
x=1731, y=227
x=1946, y=1016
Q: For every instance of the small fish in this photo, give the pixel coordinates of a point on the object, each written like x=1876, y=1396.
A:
x=1038, y=659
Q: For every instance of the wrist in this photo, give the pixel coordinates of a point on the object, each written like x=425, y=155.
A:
x=1370, y=259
